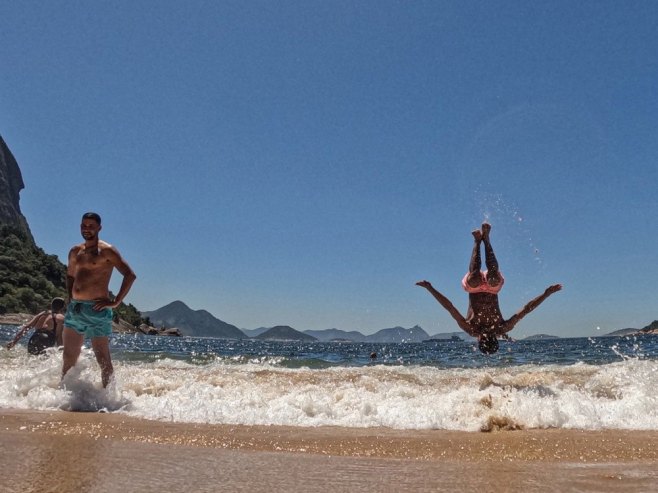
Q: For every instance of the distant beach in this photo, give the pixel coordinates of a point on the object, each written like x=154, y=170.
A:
x=63, y=451
x=14, y=318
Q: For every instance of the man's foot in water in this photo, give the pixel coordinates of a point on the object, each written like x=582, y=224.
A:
x=477, y=234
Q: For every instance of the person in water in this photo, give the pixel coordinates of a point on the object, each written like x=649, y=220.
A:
x=47, y=327
x=89, y=313
x=484, y=319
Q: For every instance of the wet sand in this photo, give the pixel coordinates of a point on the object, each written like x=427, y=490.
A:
x=92, y=452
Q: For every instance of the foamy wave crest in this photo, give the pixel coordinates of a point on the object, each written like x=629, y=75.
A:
x=618, y=395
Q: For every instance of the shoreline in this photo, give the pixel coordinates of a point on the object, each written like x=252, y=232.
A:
x=546, y=445
x=17, y=319
x=65, y=451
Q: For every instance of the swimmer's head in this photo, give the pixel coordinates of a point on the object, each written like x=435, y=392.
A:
x=57, y=305
x=488, y=343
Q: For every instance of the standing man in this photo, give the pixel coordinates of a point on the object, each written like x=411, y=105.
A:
x=89, y=312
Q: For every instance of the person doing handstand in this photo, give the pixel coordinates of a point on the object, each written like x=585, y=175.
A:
x=484, y=319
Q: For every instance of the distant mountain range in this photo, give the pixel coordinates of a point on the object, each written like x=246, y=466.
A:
x=284, y=333
x=200, y=323
x=196, y=323
x=336, y=335
x=539, y=336
x=255, y=332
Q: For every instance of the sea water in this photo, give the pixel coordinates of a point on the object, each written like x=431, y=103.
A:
x=577, y=383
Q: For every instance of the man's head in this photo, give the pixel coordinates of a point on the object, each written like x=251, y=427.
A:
x=93, y=216
x=90, y=226
x=488, y=343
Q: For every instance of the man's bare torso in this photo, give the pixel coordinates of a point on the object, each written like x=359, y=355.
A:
x=91, y=269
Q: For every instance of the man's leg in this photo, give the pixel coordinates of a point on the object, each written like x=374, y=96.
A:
x=72, y=346
x=101, y=347
x=493, y=275
x=474, y=277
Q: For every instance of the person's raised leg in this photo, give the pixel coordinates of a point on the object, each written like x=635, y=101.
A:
x=72, y=345
x=101, y=347
x=474, y=278
x=493, y=275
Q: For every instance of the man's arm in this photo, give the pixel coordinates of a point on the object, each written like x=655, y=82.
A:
x=447, y=304
x=532, y=304
x=128, y=279
x=70, y=273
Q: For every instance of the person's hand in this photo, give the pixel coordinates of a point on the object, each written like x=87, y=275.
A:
x=102, y=304
x=424, y=284
x=554, y=288
x=10, y=345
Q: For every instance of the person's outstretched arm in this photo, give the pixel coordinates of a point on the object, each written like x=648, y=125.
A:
x=447, y=304
x=531, y=305
x=36, y=320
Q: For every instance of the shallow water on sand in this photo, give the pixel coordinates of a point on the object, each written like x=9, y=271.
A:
x=77, y=463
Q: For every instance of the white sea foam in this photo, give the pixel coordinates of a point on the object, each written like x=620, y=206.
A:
x=618, y=395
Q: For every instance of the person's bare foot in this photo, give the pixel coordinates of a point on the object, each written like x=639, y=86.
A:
x=486, y=229
x=477, y=234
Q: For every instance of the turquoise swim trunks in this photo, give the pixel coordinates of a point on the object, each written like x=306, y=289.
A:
x=81, y=317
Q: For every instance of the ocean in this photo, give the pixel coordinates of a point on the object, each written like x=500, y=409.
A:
x=572, y=383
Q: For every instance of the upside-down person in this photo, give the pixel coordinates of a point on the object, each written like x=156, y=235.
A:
x=484, y=319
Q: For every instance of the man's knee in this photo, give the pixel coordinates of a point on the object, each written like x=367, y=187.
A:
x=101, y=349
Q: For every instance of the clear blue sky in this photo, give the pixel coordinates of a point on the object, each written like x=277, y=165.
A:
x=306, y=162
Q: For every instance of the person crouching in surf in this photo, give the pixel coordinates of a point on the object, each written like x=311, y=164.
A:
x=47, y=325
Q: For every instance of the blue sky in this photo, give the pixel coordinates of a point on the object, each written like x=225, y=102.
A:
x=305, y=163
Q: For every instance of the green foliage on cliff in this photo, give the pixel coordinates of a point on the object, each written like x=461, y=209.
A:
x=130, y=314
x=29, y=278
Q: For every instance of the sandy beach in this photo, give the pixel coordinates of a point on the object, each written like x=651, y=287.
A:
x=97, y=452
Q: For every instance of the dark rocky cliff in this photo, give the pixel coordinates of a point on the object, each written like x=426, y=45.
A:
x=11, y=184
x=29, y=277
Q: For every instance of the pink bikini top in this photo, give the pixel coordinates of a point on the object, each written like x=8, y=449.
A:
x=484, y=286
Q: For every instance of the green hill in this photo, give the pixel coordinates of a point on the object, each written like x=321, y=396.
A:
x=29, y=277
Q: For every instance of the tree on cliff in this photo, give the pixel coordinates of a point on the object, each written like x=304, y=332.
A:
x=29, y=278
